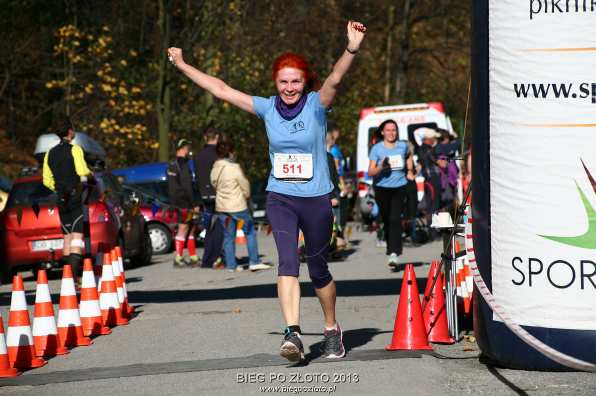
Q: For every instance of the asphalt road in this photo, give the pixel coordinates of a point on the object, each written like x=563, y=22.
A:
x=208, y=332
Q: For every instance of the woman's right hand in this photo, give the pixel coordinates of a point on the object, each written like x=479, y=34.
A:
x=356, y=32
x=175, y=56
x=385, y=165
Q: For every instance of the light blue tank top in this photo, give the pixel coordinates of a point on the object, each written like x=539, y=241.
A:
x=305, y=133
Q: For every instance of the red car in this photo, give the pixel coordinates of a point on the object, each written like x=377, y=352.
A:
x=30, y=226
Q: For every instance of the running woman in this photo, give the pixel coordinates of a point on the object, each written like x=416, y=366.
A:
x=299, y=183
x=391, y=166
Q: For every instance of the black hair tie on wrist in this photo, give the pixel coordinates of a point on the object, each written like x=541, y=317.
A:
x=351, y=52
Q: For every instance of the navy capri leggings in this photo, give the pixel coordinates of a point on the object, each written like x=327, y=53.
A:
x=287, y=214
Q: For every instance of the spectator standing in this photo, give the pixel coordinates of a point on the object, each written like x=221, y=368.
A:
x=337, y=239
x=411, y=208
x=182, y=198
x=232, y=190
x=447, y=145
x=447, y=169
x=203, y=163
x=427, y=160
x=336, y=173
x=65, y=171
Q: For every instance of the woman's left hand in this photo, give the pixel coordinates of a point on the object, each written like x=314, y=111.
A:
x=356, y=31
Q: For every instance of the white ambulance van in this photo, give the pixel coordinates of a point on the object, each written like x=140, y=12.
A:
x=409, y=118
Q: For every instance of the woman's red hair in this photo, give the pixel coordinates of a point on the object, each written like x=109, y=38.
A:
x=296, y=61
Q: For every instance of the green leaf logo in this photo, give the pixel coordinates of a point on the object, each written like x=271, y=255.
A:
x=587, y=240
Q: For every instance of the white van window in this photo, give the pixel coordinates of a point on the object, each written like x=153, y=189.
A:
x=413, y=127
x=372, y=138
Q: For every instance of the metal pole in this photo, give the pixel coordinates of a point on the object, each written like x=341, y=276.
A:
x=455, y=335
x=446, y=261
x=448, y=291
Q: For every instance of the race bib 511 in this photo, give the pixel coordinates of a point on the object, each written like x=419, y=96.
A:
x=293, y=167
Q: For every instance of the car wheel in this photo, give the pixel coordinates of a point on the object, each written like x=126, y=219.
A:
x=161, y=238
x=145, y=257
x=6, y=274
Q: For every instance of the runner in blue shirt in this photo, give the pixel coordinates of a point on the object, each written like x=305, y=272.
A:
x=299, y=184
x=391, y=166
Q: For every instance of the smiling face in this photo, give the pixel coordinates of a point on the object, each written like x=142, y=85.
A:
x=290, y=84
x=389, y=132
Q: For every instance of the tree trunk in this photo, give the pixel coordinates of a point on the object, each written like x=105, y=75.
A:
x=163, y=92
x=401, y=78
x=389, y=52
x=142, y=28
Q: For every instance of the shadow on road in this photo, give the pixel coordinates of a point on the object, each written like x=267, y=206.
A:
x=345, y=288
x=514, y=388
x=134, y=279
x=353, y=338
x=340, y=255
x=402, y=266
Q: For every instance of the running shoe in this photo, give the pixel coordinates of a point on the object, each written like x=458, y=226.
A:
x=333, y=347
x=179, y=262
x=291, y=347
x=219, y=264
x=381, y=243
x=392, y=260
x=259, y=266
x=195, y=261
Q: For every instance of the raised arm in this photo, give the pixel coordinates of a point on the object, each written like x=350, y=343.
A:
x=328, y=91
x=211, y=84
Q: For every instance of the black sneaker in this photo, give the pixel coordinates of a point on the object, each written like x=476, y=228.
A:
x=291, y=346
x=333, y=347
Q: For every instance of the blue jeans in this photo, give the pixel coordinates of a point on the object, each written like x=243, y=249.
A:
x=229, y=221
x=208, y=209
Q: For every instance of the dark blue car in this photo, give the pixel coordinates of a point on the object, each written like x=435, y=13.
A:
x=151, y=178
x=148, y=181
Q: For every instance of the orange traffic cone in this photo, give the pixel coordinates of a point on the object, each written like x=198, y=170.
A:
x=409, y=332
x=19, y=339
x=420, y=188
x=5, y=369
x=432, y=272
x=467, y=282
x=435, y=314
x=45, y=333
x=70, y=331
x=240, y=237
x=129, y=309
x=111, y=314
x=119, y=283
x=90, y=312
